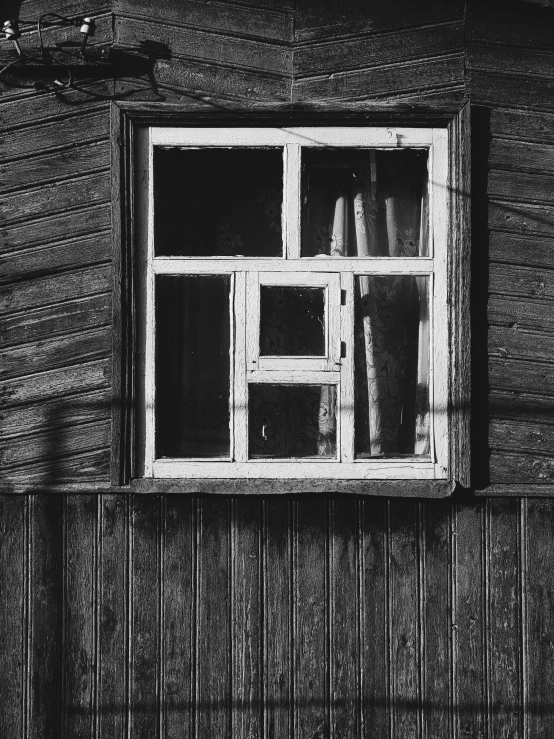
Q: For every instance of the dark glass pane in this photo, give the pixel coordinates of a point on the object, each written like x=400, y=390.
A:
x=290, y=421
x=364, y=202
x=192, y=366
x=391, y=356
x=292, y=321
x=218, y=202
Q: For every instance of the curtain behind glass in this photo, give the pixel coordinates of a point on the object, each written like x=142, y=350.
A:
x=374, y=203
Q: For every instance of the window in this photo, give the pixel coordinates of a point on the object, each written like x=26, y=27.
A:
x=292, y=302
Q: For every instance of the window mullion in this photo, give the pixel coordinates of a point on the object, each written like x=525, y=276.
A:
x=347, y=371
x=240, y=390
x=291, y=200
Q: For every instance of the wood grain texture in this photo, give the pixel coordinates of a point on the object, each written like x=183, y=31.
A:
x=56, y=384
x=520, y=155
x=46, y=291
x=80, y=625
x=504, y=90
x=311, y=593
x=57, y=197
x=519, y=249
x=112, y=609
x=386, y=81
x=405, y=618
x=45, y=169
x=437, y=616
x=47, y=354
x=38, y=137
x=521, y=218
x=46, y=617
x=526, y=315
x=214, y=630
x=59, y=233
x=54, y=445
x=145, y=616
x=204, y=45
x=469, y=659
x=521, y=435
x=316, y=19
x=518, y=186
x=504, y=612
x=514, y=467
x=522, y=126
x=528, y=282
x=522, y=376
x=179, y=617
x=278, y=652
x=374, y=624
x=520, y=344
x=344, y=623
x=221, y=17
x=521, y=406
x=79, y=473
x=13, y=629
x=336, y=56
x=74, y=315
x=540, y=604
x=247, y=633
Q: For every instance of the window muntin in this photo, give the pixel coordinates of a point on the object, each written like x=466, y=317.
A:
x=334, y=374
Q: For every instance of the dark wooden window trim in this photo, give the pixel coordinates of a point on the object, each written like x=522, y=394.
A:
x=124, y=120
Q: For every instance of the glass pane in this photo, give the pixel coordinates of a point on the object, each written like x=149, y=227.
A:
x=391, y=355
x=292, y=321
x=192, y=366
x=365, y=202
x=218, y=202
x=291, y=421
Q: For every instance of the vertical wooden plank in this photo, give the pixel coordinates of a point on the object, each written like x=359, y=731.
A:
x=277, y=618
x=504, y=607
x=13, y=632
x=437, y=619
x=113, y=524
x=213, y=674
x=469, y=621
x=179, y=565
x=375, y=714
x=344, y=618
x=311, y=646
x=540, y=624
x=404, y=615
x=247, y=618
x=145, y=616
x=80, y=615
x=45, y=614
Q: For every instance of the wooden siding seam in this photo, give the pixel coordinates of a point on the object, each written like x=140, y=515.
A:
x=65, y=626
x=129, y=652
x=76, y=146
x=60, y=117
x=390, y=696
x=293, y=524
x=210, y=98
x=261, y=515
x=52, y=181
x=452, y=626
x=44, y=243
x=489, y=43
x=522, y=584
x=454, y=684
x=405, y=63
x=270, y=41
x=406, y=94
x=340, y=39
x=329, y=613
x=27, y=620
x=485, y=599
x=422, y=712
x=358, y=615
x=232, y=688
x=96, y=616
x=195, y=524
x=204, y=30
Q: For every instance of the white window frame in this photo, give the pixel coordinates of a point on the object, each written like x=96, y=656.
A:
x=338, y=272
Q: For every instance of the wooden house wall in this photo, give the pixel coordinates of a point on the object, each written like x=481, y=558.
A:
x=150, y=615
